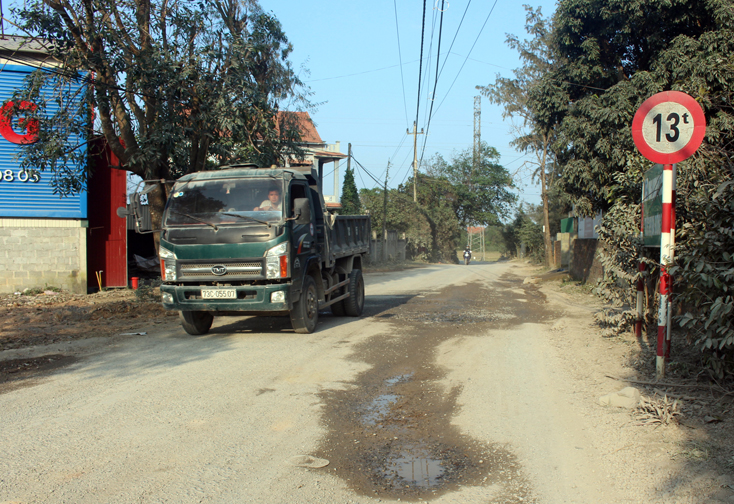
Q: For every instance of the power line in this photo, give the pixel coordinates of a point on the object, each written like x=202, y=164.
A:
x=366, y=171
x=75, y=76
x=467, y=56
x=420, y=66
x=400, y=58
x=456, y=34
x=435, y=83
x=427, y=77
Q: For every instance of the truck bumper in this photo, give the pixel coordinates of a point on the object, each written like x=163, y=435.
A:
x=251, y=299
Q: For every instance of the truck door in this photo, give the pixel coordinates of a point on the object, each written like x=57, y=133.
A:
x=303, y=234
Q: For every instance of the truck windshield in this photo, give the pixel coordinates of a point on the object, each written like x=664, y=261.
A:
x=225, y=201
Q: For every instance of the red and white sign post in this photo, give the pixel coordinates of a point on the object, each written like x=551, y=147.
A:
x=667, y=128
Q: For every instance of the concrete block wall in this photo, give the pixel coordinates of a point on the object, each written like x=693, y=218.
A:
x=390, y=249
x=585, y=265
x=43, y=252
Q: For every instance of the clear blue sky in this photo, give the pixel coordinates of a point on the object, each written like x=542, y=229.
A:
x=350, y=50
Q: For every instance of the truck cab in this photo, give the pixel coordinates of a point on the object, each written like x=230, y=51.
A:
x=253, y=241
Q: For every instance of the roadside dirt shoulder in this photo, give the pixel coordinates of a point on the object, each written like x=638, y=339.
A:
x=43, y=332
x=690, y=460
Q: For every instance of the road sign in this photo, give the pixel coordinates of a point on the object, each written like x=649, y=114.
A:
x=668, y=127
x=652, y=205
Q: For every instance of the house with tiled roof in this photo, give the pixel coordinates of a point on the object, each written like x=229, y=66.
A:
x=318, y=153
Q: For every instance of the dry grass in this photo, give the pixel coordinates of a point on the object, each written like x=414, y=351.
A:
x=657, y=410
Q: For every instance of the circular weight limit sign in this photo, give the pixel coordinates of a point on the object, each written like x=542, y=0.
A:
x=668, y=127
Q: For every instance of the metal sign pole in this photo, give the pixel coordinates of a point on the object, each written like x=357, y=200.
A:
x=665, y=262
x=667, y=128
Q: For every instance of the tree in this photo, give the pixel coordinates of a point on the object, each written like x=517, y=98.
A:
x=403, y=216
x=176, y=87
x=537, y=102
x=483, y=194
x=617, y=53
x=350, y=195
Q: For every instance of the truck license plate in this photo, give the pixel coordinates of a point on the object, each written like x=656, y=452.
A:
x=218, y=293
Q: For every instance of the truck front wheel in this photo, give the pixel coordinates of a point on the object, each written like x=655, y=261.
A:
x=196, y=323
x=354, y=304
x=305, y=313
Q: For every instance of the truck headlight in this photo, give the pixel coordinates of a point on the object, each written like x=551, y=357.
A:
x=168, y=265
x=277, y=297
x=276, y=261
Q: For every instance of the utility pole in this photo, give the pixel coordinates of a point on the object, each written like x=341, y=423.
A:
x=477, y=134
x=349, y=157
x=415, y=158
x=336, y=173
x=384, y=216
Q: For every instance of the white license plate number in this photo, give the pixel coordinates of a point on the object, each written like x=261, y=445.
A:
x=218, y=293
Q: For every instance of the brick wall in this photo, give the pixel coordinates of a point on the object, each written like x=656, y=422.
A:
x=43, y=252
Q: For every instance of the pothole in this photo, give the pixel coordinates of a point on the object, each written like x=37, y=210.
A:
x=390, y=435
x=378, y=408
x=414, y=468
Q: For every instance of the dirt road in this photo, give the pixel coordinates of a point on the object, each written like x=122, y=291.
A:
x=460, y=384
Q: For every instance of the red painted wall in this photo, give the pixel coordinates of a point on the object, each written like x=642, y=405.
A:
x=107, y=233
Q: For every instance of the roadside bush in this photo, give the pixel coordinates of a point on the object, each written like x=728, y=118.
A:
x=620, y=253
x=704, y=274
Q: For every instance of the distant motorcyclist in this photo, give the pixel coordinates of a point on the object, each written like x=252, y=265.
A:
x=467, y=255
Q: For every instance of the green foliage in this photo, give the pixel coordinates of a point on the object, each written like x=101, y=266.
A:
x=525, y=228
x=482, y=191
x=403, y=216
x=704, y=274
x=438, y=202
x=620, y=251
x=609, y=56
x=538, y=103
x=176, y=87
x=350, y=196
x=450, y=196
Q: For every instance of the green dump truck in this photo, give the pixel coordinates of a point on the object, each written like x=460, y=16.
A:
x=256, y=241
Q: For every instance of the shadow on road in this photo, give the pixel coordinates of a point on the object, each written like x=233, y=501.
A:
x=374, y=306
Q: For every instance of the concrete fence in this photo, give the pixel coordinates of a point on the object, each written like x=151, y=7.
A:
x=390, y=247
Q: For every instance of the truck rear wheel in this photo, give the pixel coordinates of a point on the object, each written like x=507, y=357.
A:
x=354, y=304
x=196, y=323
x=305, y=313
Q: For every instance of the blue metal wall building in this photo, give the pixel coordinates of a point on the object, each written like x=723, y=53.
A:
x=20, y=194
x=43, y=237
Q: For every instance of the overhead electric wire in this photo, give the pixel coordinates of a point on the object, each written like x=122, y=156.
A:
x=75, y=76
x=467, y=56
x=427, y=77
x=366, y=171
x=400, y=58
x=420, y=66
x=455, y=35
x=435, y=84
x=360, y=178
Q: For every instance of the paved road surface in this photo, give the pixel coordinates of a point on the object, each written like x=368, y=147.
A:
x=445, y=391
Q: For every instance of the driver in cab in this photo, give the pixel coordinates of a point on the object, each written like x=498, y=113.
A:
x=273, y=203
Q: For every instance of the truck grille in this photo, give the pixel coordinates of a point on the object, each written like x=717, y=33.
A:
x=204, y=270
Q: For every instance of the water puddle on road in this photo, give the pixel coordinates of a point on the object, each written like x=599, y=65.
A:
x=378, y=408
x=420, y=472
x=390, y=435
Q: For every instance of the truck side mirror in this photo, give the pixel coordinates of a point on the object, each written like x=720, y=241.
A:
x=302, y=211
x=135, y=210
